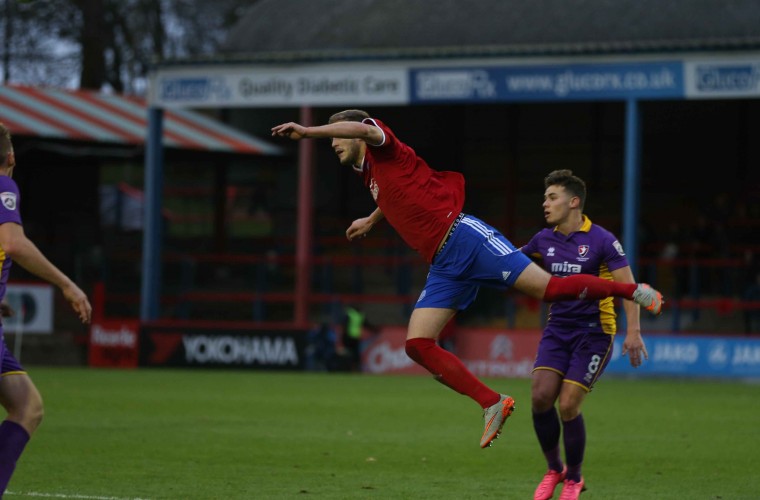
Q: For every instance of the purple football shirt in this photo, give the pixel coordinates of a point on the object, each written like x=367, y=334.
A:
x=9, y=212
x=590, y=250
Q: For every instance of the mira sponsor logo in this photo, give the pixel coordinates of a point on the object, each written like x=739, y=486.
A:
x=455, y=84
x=738, y=78
x=194, y=89
x=233, y=350
x=565, y=268
x=123, y=337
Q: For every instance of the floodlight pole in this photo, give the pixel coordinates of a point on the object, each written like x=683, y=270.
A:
x=632, y=183
x=154, y=184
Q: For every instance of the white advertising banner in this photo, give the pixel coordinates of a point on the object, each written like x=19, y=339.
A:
x=270, y=86
x=724, y=78
x=32, y=306
x=458, y=80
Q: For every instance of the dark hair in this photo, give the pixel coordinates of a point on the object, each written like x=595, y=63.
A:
x=5, y=143
x=349, y=115
x=572, y=184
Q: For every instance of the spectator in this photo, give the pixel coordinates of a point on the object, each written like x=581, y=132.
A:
x=752, y=316
x=671, y=252
x=354, y=323
x=321, y=348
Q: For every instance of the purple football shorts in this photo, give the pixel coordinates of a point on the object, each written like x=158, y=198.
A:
x=9, y=363
x=578, y=355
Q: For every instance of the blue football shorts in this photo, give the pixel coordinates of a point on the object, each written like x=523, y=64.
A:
x=475, y=255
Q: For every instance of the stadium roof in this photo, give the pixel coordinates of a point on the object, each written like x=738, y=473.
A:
x=303, y=30
x=118, y=120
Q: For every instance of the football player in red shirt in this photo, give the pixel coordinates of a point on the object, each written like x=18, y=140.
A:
x=425, y=207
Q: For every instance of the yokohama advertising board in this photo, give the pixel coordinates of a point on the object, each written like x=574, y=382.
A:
x=267, y=350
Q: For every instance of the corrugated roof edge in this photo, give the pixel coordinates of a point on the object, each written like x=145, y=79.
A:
x=664, y=46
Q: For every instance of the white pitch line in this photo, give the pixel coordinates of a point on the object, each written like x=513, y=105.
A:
x=63, y=495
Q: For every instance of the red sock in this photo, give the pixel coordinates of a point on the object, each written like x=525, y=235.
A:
x=586, y=287
x=449, y=370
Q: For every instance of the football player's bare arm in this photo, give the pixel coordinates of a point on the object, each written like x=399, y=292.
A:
x=23, y=251
x=342, y=130
x=360, y=227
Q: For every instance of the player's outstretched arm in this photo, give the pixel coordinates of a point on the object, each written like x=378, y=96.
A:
x=342, y=130
x=18, y=247
x=291, y=130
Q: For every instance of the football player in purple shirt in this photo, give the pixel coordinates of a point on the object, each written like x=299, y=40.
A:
x=18, y=394
x=576, y=344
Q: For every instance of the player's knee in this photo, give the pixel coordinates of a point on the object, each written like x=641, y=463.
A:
x=541, y=400
x=28, y=416
x=38, y=413
x=412, y=349
x=32, y=414
x=415, y=346
x=568, y=410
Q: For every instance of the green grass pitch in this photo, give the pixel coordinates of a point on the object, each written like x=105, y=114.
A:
x=213, y=434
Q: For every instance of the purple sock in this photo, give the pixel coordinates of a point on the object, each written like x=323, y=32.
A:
x=548, y=430
x=13, y=438
x=574, y=433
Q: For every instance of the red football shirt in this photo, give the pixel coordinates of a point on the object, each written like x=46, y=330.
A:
x=419, y=202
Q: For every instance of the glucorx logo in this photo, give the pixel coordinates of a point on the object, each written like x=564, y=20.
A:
x=744, y=77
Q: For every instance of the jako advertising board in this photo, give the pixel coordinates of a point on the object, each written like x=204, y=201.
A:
x=511, y=353
x=692, y=356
